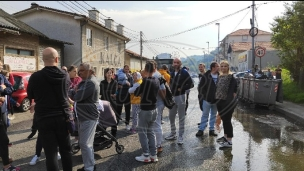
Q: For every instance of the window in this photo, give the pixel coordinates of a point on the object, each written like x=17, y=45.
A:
x=106, y=43
x=19, y=51
x=244, y=37
x=118, y=46
x=89, y=37
x=101, y=58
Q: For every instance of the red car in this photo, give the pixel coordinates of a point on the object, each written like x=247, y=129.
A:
x=20, y=95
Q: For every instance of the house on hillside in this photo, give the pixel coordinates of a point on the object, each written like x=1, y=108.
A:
x=133, y=60
x=21, y=46
x=239, y=41
x=94, y=40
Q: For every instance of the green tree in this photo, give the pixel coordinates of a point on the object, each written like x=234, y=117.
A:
x=288, y=31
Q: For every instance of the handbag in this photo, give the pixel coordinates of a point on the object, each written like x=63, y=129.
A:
x=68, y=113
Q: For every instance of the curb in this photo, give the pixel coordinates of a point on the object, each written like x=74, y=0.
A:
x=289, y=114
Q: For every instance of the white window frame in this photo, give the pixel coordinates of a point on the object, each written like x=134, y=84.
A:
x=106, y=43
x=244, y=37
x=89, y=37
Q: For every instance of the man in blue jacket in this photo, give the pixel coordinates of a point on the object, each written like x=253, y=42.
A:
x=180, y=82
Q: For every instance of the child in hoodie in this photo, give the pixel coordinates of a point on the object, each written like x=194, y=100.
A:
x=135, y=101
x=122, y=78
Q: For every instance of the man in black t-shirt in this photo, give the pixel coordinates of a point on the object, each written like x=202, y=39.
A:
x=148, y=91
x=278, y=72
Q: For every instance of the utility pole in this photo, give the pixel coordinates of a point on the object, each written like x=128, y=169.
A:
x=252, y=28
x=208, y=47
x=218, y=42
x=141, y=50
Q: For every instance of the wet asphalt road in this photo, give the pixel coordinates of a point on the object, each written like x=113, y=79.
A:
x=263, y=140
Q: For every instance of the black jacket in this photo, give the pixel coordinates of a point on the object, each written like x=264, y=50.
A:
x=207, y=87
x=182, y=80
x=48, y=87
x=106, y=89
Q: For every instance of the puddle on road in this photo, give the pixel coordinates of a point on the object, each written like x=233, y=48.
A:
x=264, y=140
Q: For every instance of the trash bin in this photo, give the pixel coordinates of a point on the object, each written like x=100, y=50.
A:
x=263, y=91
x=240, y=88
x=245, y=88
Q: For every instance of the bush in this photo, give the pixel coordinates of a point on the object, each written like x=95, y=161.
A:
x=291, y=91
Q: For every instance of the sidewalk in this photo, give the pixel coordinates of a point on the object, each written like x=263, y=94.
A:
x=291, y=110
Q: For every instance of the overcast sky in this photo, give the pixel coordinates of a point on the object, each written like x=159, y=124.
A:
x=159, y=19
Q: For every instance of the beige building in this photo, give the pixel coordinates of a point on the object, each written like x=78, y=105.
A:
x=94, y=40
x=21, y=46
x=239, y=42
x=133, y=60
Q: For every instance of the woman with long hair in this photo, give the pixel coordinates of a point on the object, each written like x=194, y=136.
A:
x=10, y=75
x=226, y=90
x=74, y=78
x=108, y=88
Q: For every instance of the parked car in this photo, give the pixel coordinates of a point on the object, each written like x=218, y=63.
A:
x=20, y=86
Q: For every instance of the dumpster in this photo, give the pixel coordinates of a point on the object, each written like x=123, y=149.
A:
x=263, y=92
x=240, y=88
x=246, y=89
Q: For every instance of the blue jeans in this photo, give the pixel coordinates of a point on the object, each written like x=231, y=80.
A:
x=208, y=108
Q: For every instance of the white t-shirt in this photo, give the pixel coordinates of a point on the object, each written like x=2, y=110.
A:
x=161, y=87
x=214, y=77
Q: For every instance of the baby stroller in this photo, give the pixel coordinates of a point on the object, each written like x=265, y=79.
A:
x=103, y=139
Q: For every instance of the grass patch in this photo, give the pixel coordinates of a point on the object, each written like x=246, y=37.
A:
x=291, y=91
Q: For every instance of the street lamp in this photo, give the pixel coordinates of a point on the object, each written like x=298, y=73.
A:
x=208, y=47
x=218, y=40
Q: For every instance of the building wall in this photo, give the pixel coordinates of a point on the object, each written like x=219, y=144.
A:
x=60, y=27
x=97, y=54
x=24, y=42
x=246, y=38
x=41, y=48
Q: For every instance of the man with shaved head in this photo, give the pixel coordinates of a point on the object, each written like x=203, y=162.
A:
x=48, y=88
x=180, y=82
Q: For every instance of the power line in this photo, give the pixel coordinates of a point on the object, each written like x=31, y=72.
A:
x=212, y=22
x=203, y=25
x=241, y=20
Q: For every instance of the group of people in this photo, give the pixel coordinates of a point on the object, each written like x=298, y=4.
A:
x=58, y=95
x=217, y=94
x=6, y=104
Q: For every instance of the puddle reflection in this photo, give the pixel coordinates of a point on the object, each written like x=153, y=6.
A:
x=264, y=141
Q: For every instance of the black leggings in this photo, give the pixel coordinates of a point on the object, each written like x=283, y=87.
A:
x=4, y=144
x=124, y=100
x=226, y=109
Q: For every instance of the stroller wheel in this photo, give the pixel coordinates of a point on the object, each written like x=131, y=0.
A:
x=120, y=149
x=75, y=148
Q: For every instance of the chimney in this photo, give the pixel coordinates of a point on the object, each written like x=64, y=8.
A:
x=120, y=29
x=94, y=15
x=109, y=23
x=34, y=5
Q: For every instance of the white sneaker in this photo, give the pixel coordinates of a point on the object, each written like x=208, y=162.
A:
x=171, y=137
x=34, y=160
x=58, y=156
x=143, y=158
x=128, y=127
x=180, y=140
x=154, y=158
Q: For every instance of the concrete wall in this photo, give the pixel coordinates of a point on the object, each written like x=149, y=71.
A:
x=60, y=27
x=23, y=41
